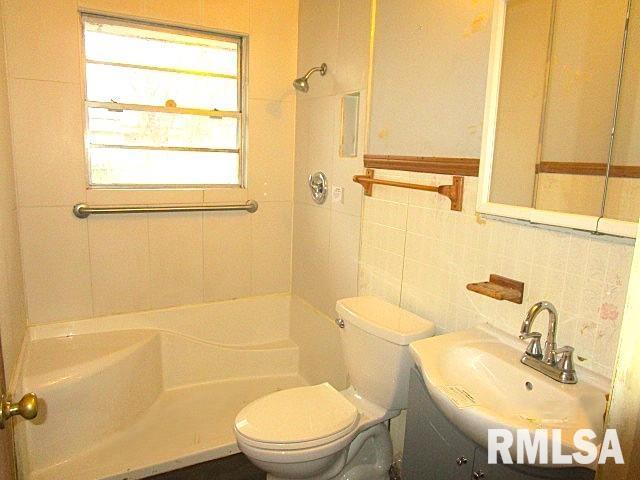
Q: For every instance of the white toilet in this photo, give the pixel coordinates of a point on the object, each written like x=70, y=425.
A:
x=320, y=433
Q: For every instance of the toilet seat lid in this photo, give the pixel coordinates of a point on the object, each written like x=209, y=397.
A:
x=297, y=415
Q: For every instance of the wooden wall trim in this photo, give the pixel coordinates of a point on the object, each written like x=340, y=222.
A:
x=443, y=165
x=582, y=168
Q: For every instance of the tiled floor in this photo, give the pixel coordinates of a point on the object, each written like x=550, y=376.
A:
x=235, y=467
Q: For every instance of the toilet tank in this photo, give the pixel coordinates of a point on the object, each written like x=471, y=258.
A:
x=375, y=340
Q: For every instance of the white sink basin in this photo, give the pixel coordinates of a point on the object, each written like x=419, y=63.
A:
x=484, y=363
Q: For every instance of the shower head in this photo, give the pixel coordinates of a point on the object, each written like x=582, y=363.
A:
x=302, y=84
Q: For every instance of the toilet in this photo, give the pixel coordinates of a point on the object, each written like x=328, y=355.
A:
x=320, y=433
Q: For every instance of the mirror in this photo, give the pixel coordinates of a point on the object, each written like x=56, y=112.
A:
x=623, y=184
x=557, y=103
x=561, y=143
x=349, y=134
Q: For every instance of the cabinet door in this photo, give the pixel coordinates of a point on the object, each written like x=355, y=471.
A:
x=483, y=471
x=433, y=448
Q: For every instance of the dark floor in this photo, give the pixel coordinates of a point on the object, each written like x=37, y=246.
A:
x=235, y=467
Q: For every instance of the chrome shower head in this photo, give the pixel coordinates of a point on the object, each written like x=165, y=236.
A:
x=302, y=84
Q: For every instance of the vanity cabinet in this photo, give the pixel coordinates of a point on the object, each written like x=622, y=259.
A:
x=434, y=448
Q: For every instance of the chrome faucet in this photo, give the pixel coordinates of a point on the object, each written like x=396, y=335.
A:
x=554, y=362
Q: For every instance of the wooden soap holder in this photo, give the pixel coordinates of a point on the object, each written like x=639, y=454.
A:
x=500, y=288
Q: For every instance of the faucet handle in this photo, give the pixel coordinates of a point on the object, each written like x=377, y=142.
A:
x=535, y=348
x=565, y=364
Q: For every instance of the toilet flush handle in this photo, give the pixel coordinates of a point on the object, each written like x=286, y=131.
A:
x=27, y=408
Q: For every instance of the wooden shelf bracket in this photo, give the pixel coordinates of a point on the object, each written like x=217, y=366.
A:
x=453, y=192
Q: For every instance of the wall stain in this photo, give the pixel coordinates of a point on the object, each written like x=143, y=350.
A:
x=477, y=25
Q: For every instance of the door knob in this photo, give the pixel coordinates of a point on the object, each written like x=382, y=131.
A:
x=27, y=408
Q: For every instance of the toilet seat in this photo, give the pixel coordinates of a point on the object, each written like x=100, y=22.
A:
x=297, y=419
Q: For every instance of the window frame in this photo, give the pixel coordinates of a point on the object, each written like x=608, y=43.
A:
x=241, y=115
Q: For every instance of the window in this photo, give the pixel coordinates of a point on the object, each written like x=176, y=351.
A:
x=163, y=105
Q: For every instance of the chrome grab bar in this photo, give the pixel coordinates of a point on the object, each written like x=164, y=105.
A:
x=82, y=210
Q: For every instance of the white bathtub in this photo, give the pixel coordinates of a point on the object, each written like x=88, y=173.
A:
x=133, y=395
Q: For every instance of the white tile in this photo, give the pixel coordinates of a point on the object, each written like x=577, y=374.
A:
x=597, y=260
x=421, y=198
x=380, y=273
x=128, y=7
x=47, y=143
x=345, y=235
x=393, y=194
x=578, y=253
x=385, y=213
x=420, y=249
x=271, y=248
x=13, y=317
x=119, y=246
x=226, y=15
x=271, y=150
x=152, y=196
x=227, y=255
x=273, y=49
x=301, y=169
x=311, y=264
x=343, y=170
x=353, y=45
x=176, y=259
x=385, y=238
x=421, y=221
x=42, y=39
x=619, y=265
x=343, y=255
x=55, y=253
x=470, y=195
x=182, y=11
x=318, y=43
x=436, y=253
x=225, y=195
x=321, y=146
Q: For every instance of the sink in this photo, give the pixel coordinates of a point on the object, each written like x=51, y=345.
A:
x=476, y=379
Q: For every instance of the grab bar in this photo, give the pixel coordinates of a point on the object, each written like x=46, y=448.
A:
x=82, y=210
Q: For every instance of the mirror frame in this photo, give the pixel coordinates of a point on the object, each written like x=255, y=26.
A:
x=588, y=223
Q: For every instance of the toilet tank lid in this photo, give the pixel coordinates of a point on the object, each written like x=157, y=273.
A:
x=387, y=321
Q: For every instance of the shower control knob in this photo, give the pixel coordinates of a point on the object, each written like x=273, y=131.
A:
x=340, y=322
x=319, y=186
x=27, y=408
x=460, y=461
x=479, y=475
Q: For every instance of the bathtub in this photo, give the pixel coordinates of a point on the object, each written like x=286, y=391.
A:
x=128, y=396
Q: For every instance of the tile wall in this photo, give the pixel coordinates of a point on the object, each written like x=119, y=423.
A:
x=326, y=237
x=82, y=268
x=419, y=254
x=12, y=303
